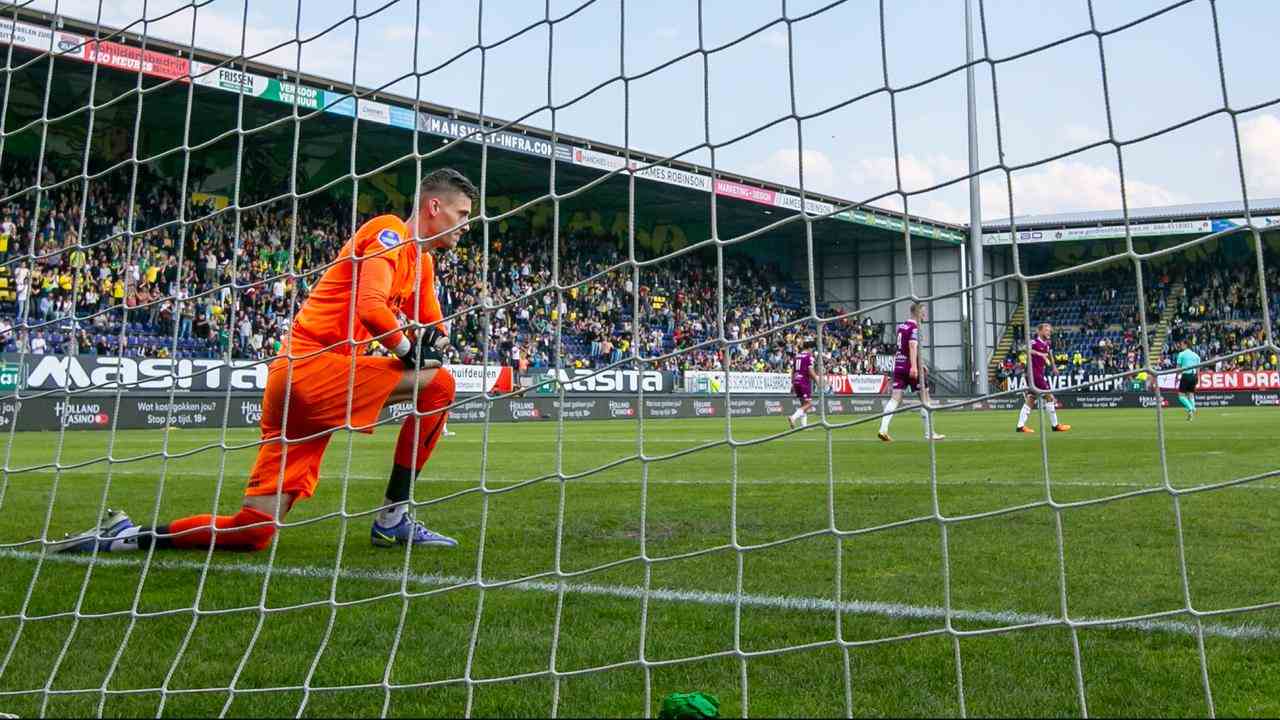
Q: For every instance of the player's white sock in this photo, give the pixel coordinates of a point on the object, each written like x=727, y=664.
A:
x=889, y=407
x=804, y=419
x=390, y=517
x=1053, y=414
x=928, y=423
x=1024, y=414
x=795, y=416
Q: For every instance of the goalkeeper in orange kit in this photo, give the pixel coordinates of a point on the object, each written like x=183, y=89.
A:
x=325, y=380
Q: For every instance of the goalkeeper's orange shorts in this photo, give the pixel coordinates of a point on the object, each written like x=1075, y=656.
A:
x=318, y=390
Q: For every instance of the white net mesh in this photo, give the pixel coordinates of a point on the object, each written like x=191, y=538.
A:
x=202, y=632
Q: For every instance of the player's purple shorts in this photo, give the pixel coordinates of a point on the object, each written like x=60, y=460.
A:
x=802, y=390
x=1040, y=381
x=902, y=380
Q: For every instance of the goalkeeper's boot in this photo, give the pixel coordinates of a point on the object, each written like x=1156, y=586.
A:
x=1060, y=427
x=884, y=436
x=116, y=532
x=1023, y=429
x=408, y=531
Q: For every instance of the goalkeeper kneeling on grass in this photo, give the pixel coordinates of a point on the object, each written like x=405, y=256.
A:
x=317, y=387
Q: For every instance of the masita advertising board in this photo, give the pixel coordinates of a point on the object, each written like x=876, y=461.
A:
x=109, y=373
x=599, y=381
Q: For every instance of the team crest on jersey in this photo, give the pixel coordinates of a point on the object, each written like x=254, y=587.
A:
x=389, y=238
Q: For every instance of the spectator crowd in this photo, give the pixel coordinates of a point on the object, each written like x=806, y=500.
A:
x=1221, y=315
x=208, y=289
x=228, y=286
x=1097, y=323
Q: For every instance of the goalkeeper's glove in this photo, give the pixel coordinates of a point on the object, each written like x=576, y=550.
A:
x=427, y=351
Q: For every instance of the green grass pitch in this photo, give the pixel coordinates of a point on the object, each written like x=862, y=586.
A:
x=867, y=603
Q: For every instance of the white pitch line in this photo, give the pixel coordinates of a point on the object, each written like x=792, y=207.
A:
x=592, y=480
x=896, y=611
x=840, y=436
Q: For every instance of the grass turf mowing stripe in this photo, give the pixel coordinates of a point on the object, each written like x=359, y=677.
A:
x=897, y=611
x=1256, y=484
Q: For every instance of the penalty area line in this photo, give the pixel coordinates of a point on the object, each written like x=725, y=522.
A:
x=892, y=610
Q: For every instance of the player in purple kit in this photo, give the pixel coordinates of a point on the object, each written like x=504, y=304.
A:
x=1041, y=359
x=804, y=375
x=909, y=372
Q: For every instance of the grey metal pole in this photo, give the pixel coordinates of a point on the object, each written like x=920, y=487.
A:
x=979, y=314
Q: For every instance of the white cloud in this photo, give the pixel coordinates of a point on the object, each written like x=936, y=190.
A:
x=1260, y=138
x=1062, y=186
x=1077, y=135
x=218, y=25
x=1067, y=186
x=783, y=166
x=404, y=33
x=221, y=27
x=774, y=37
x=878, y=174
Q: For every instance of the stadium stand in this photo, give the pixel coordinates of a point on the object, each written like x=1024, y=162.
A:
x=221, y=296
x=1213, y=301
x=1221, y=314
x=238, y=297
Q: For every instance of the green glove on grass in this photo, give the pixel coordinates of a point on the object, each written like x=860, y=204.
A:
x=689, y=706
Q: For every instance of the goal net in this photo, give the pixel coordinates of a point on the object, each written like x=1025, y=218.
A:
x=675, y=202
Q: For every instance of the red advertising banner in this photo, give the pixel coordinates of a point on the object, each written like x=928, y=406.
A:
x=123, y=57
x=482, y=378
x=1229, y=380
x=857, y=384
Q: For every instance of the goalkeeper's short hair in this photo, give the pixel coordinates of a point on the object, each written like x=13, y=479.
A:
x=446, y=179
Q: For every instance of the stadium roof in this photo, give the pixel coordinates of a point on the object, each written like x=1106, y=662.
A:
x=747, y=189
x=1192, y=211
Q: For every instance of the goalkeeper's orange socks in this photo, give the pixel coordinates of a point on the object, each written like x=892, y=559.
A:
x=246, y=531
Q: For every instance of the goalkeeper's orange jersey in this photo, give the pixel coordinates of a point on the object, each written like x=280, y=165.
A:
x=383, y=259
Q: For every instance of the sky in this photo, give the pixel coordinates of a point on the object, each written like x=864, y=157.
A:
x=818, y=71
